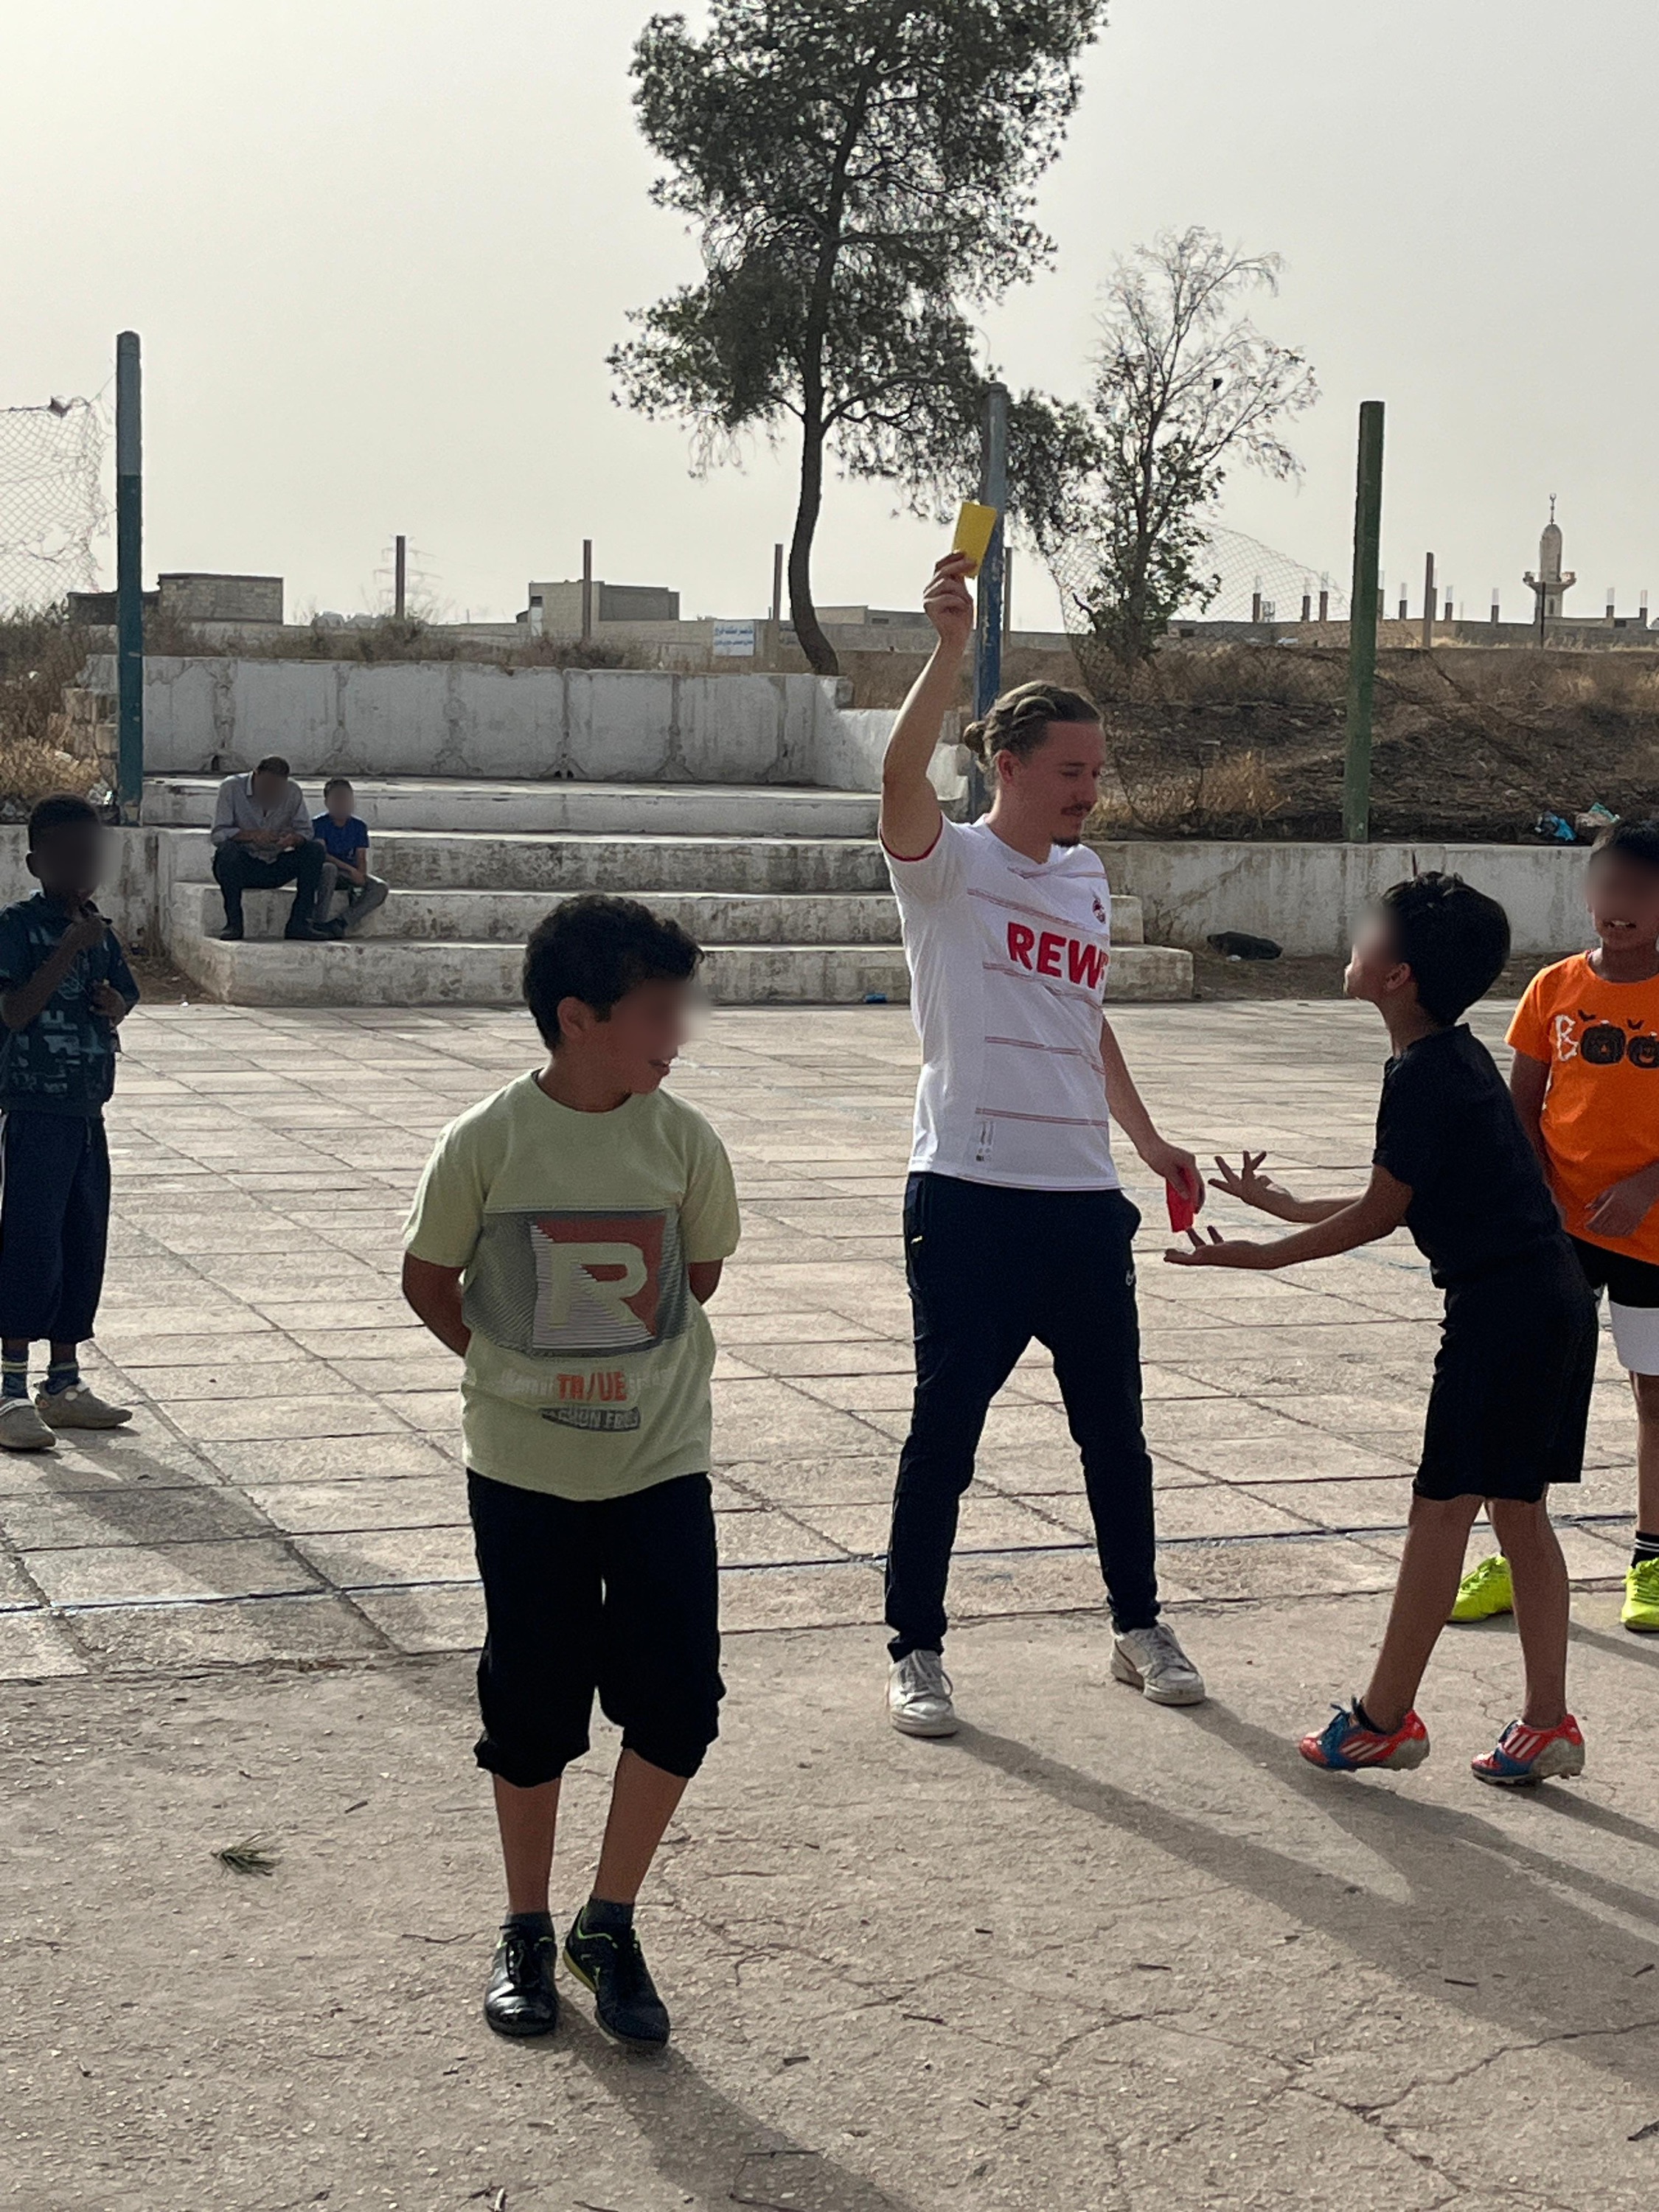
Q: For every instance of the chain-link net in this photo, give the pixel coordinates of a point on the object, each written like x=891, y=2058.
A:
x=52, y=508
x=1252, y=583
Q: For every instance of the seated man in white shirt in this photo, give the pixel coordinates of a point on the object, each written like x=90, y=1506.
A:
x=262, y=839
x=1015, y=1224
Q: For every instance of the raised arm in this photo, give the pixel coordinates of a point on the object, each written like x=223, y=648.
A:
x=1246, y=1182
x=1380, y=1208
x=910, y=817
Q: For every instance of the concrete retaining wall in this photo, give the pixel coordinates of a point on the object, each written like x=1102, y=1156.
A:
x=469, y=719
x=212, y=714
x=1308, y=897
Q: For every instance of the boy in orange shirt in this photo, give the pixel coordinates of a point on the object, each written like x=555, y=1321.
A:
x=1586, y=1085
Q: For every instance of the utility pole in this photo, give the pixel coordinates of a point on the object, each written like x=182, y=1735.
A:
x=587, y=591
x=1007, y=594
x=129, y=579
x=1428, y=601
x=1362, y=626
x=987, y=626
x=776, y=633
x=400, y=576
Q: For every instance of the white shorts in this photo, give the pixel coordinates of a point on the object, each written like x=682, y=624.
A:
x=1633, y=1289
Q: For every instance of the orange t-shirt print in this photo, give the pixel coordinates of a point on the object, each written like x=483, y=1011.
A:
x=1600, y=1121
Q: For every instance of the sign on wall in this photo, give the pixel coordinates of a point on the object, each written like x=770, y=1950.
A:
x=734, y=641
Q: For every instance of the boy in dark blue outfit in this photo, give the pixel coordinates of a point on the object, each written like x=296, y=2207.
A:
x=65, y=989
x=344, y=838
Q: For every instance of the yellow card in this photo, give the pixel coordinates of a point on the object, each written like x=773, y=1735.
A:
x=974, y=524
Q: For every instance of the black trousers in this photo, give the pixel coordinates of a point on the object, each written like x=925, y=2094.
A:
x=54, y=1224
x=618, y=1595
x=235, y=870
x=990, y=1269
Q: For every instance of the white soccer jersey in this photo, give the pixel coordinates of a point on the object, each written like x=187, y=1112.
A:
x=1008, y=960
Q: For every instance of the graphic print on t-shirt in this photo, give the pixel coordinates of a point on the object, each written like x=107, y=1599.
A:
x=580, y=1289
x=1600, y=1041
x=599, y=1281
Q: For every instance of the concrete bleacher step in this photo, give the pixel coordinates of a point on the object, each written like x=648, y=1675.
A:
x=555, y=809
x=412, y=972
x=507, y=917
x=786, y=888
x=472, y=860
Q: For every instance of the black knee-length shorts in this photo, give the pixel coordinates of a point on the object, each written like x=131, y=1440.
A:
x=1512, y=1381
x=617, y=1597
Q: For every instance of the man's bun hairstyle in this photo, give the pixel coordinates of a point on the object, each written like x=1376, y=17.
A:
x=1018, y=722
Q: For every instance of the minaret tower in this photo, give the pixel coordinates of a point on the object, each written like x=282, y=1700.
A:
x=1549, y=587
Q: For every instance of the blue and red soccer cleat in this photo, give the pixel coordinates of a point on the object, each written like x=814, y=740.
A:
x=1346, y=1744
x=1526, y=1755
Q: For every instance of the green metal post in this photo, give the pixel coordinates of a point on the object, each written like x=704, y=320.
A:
x=1362, y=626
x=128, y=580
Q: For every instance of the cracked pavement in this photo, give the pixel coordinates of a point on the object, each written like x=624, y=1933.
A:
x=1089, y=1954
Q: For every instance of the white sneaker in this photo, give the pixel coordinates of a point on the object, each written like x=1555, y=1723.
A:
x=79, y=1407
x=22, y=1428
x=919, y=1696
x=1152, y=1661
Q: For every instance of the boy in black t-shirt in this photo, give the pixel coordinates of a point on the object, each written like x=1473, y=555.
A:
x=1512, y=1377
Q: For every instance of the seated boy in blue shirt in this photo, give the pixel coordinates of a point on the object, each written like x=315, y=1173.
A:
x=344, y=838
x=64, y=990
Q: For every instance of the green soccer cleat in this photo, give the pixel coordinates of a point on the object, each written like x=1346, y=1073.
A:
x=1486, y=1591
x=1640, y=1611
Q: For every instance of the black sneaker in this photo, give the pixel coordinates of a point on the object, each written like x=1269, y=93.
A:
x=611, y=1963
x=522, y=1999
x=233, y=935
x=306, y=935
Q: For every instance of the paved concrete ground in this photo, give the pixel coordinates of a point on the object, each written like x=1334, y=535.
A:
x=1091, y=1954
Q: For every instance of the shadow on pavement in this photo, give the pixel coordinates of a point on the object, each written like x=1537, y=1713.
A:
x=1551, y=1971
x=713, y=2149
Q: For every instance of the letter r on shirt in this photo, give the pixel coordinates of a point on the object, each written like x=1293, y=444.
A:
x=1020, y=941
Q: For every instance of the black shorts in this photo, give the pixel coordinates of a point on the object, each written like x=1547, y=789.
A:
x=1512, y=1381
x=618, y=1595
x=1633, y=1289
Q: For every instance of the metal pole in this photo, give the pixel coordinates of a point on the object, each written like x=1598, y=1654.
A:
x=129, y=579
x=1428, y=601
x=587, y=591
x=775, y=628
x=1362, y=626
x=987, y=627
x=400, y=576
x=1007, y=594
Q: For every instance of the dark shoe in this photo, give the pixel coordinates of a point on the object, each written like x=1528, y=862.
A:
x=522, y=1999
x=611, y=1963
x=233, y=935
x=305, y=935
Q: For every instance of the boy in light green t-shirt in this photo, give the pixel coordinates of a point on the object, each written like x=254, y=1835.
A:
x=565, y=1236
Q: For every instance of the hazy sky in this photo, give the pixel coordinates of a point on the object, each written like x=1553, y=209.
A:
x=377, y=251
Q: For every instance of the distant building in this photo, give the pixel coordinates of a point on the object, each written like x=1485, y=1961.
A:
x=555, y=610
x=196, y=596
x=1549, y=587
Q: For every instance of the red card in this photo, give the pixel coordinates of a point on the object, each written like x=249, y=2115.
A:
x=1182, y=1212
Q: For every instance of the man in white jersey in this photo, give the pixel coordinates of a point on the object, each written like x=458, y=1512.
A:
x=1015, y=1226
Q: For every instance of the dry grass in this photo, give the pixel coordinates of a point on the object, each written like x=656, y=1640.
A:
x=253, y=1854
x=1229, y=794
x=29, y=771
